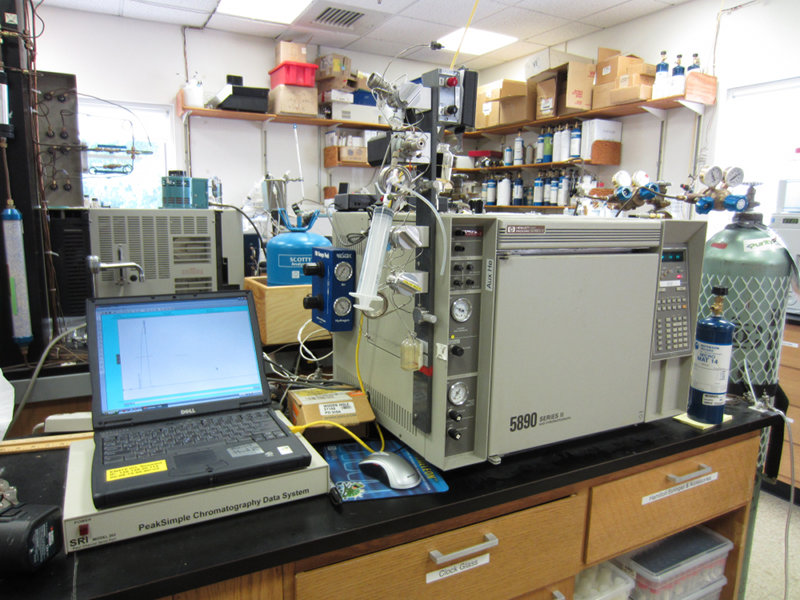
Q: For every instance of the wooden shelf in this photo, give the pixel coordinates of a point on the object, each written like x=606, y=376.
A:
x=504, y=168
x=619, y=110
x=195, y=111
x=524, y=209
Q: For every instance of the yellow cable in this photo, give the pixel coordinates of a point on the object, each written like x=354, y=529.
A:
x=302, y=428
x=380, y=433
x=358, y=347
x=464, y=35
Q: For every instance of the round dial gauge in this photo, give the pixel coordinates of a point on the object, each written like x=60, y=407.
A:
x=461, y=309
x=734, y=176
x=622, y=179
x=342, y=306
x=711, y=176
x=458, y=393
x=343, y=271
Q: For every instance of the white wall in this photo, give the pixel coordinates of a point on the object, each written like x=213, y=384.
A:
x=758, y=43
x=127, y=60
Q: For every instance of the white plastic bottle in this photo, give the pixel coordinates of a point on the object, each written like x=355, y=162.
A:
x=519, y=149
x=504, y=191
x=557, y=137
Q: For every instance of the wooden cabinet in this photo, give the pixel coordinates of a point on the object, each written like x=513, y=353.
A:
x=499, y=558
x=789, y=378
x=668, y=498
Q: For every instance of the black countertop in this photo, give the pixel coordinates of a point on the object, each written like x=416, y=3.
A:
x=177, y=560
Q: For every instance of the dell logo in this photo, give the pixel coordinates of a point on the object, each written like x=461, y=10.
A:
x=188, y=411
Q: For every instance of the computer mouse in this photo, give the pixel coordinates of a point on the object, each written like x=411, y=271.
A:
x=391, y=469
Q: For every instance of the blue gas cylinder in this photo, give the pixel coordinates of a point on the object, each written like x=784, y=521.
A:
x=287, y=252
x=713, y=348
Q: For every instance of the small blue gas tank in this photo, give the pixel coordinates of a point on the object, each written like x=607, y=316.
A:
x=286, y=252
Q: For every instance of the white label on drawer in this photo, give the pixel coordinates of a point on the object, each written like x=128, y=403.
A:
x=464, y=565
x=330, y=409
x=693, y=483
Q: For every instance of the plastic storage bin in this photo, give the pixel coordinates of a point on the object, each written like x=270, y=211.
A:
x=676, y=567
x=710, y=592
x=603, y=582
x=293, y=73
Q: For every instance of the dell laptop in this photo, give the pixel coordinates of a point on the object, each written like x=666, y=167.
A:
x=180, y=399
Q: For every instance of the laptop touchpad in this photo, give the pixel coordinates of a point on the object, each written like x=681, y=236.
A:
x=197, y=462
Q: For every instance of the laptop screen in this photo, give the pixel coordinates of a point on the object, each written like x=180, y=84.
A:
x=172, y=352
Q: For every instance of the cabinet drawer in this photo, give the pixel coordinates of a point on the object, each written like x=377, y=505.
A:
x=565, y=588
x=785, y=472
x=504, y=558
x=790, y=352
x=635, y=510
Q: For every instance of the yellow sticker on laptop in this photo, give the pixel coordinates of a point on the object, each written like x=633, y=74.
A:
x=136, y=470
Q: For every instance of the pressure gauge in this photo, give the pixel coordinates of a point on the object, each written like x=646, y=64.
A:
x=342, y=306
x=640, y=178
x=621, y=179
x=461, y=309
x=343, y=271
x=734, y=176
x=711, y=176
x=458, y=393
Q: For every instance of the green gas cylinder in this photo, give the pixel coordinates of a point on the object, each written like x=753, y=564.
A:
x=749, y=259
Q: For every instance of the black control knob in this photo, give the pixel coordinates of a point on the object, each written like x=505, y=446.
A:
x=459, y=248
x=455, y=415
x=458, y=267
x=457, y=283
x=310, y=302
x=313, y=268
x=470, y=282
x=451, y=110
x=454, y=433
x=457, y=350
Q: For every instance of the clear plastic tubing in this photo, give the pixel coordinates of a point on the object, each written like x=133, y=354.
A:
x=372, y=265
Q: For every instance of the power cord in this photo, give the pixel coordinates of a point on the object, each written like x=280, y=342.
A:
x=301, y=428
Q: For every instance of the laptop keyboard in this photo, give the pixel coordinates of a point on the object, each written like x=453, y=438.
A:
x=252, y=426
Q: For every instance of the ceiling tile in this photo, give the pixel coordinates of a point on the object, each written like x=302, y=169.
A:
x=408, y=31
x=206, y=6
x=108, y=7
x=516, y=50
x=380, y=47
x=519, y=22
x=483, y=62
x=151, y=12
x=247, y=26
x=567, y=10
x=627, y=11
x=436, y=57
x=387, y=6
x=321, y=37
x=562, y=34
x=454, y=14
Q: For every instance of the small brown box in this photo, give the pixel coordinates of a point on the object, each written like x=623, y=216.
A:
x=349, y=408
x=701, y=88
x=293, y=100
x=609, y=70
x=601, y=95
x=546, y=98
x=631, y=94
x=290, y=51
x=333, y=65
x=336, y=156
x=280, y=311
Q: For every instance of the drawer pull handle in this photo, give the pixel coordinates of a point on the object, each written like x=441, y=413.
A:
x=490, y=542
x=558, y=595
x=703, y=470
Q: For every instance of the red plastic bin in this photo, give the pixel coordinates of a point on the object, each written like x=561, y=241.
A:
x=293, y=73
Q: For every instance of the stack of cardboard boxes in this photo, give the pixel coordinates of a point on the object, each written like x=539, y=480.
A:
x=344, y=94
x=294, y=93
x=621, y=79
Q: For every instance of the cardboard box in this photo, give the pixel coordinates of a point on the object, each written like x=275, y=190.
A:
x=503, y=88
x=280, y=311
x=86, y=527
x=290, y=51
x=333, y=65
x=329, y=96
x=495, y=113
x=335, y=156
x=551, y=59
x=343, y=82
x=593, y=130
x=635, y=80
x=609, y=70
x=293, y=100
x=361, y=113
x=601, y=95
x=631, y=94
x=701, y=88
x=349, y=408
x=546, y=98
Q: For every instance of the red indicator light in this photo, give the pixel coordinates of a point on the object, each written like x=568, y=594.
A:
x=452, y=81
x=83, y=529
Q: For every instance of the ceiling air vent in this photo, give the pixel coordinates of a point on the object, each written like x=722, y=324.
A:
x=337, y=17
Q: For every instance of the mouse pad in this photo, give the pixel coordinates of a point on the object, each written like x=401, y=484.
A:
x=354, y=485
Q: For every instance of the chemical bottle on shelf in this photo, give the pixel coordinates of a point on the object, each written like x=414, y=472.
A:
x=539, y=148
x=518, y=193
x=484, y=192
x=504, y=191
x=547, y=151
x=508, y=156
x=519, y=149
x=565, y=143
x=556, y=143
x=661, y=85
x=554, y=184
x=713, y=349
x=546, y=182
x=695, y=66
x=491, y=192
x=575, y=140
x=678, y=82
x=563, y=190
x=529, y=154
x=538, y=190
x=528, y=195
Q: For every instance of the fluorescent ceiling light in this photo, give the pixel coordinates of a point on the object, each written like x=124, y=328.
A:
x=477, y=41
x=273, y=11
